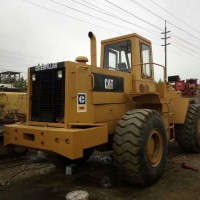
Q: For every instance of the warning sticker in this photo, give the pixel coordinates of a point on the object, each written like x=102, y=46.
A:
x=81, y=102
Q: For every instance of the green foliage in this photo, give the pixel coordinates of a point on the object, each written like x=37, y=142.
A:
x=21, y=84
x=160, y=81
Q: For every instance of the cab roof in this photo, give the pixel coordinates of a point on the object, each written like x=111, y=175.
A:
x=126, y=37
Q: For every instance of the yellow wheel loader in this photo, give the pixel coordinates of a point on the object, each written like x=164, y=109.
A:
x=12, y=110
x=73, y=107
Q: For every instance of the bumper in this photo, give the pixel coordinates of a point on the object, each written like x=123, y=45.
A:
x=67, y=142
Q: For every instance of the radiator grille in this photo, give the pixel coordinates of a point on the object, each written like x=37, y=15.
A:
x=48, y=95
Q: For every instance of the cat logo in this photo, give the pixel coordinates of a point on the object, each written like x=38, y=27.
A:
x=81, y=98
x=81, y=102
x=108, y=83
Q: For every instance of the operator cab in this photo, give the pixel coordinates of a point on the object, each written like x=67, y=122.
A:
x=130, y=54
x=122, y=53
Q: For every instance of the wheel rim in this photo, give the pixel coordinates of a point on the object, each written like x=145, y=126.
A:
x=154, y=148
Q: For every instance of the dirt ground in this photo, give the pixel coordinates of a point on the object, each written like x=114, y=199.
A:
x=32, y=178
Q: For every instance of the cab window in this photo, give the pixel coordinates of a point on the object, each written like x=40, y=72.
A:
x=146, y=58
x=117, y=56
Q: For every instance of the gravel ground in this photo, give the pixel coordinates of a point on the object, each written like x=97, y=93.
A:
x=33, y=178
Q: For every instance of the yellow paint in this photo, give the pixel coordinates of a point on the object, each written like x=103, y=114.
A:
x=80, y=130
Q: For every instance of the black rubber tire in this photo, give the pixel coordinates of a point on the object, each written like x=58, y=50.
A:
x=187, y=134
x=130, y=146
x=16, y=150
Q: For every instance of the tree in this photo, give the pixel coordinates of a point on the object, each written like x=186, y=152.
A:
x=21, y=84
x=160, y=81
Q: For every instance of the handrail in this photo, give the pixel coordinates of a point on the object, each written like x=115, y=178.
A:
x=76, y=71
x=152, y=63
x=93, y=83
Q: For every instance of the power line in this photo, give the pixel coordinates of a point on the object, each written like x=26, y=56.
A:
x=70, y=16
x=92, y=7
x=185, y=47
x=75, y=18
x=14, y=57
x=153, y=13
x=107, y=6
x=183, y=14
x=186, y=52
x=175, y=17
x=150, y=11
x=85, y=13
x=108, y=14
x=98, y=18
x=179, y=20
x=139, y=18
x=160, y=18
x=64, y=14
x=8, y=51
x=185, y=41
x=117, y=16
x=88, y=15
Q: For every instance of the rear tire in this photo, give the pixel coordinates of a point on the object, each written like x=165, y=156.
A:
x=188, y=134
x=140, y=146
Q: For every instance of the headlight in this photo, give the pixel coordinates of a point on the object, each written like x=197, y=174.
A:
x=33, y=77
x=59, y=74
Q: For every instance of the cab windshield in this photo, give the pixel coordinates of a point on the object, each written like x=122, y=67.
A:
x=117, y=56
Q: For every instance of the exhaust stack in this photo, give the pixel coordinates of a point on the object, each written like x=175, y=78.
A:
x=93, y=49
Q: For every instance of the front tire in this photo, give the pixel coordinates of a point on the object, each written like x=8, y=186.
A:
x=140, y=146
x=188, y=134
x=16, y=151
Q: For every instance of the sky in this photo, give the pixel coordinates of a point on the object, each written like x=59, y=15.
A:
x=43, y=31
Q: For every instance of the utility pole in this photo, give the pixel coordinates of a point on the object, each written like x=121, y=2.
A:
x=165, y=45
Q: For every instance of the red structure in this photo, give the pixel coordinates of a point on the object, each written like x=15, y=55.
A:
x=188, y=87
